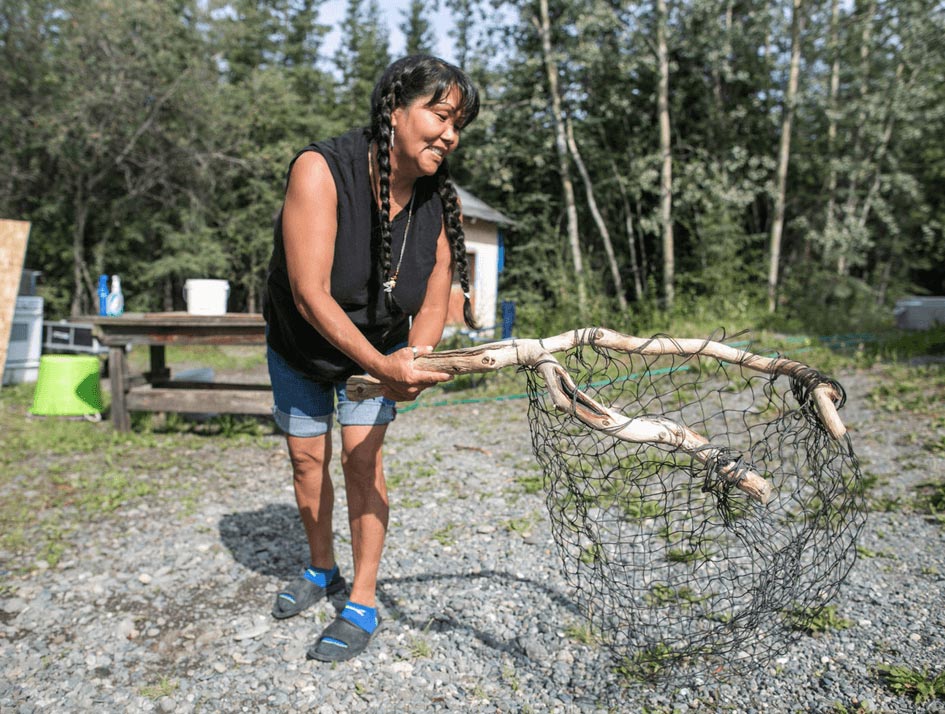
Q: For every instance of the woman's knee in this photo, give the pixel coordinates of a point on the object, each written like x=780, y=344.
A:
x=361, y=450
x=309, y=456
x=361, y=462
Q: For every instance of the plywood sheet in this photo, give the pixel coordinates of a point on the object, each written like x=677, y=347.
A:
x=13, y=237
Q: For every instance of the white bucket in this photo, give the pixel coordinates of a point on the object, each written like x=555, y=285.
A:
x=206, y=297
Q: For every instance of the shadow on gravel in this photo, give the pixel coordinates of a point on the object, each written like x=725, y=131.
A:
x=269, y=541
x=446, y=620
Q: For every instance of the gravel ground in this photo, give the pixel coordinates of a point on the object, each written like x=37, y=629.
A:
x=165, y=605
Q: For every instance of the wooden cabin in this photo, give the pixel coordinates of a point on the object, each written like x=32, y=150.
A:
x=482, y=225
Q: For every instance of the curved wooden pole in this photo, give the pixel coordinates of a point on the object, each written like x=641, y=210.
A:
x=529, y=352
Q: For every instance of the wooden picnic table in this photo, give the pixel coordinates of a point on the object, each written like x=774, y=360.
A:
x=154, y=391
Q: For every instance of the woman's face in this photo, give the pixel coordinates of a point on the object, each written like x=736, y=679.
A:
x=425, y=134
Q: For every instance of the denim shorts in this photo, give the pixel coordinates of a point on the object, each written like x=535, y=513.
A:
x=305, y=408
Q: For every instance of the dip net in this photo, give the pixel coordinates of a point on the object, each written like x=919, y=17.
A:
x=676, y=567
x=705, y=500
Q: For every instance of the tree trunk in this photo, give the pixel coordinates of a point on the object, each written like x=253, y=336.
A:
x=784, y=154
x=644, y=276
x=721, y=70
x=595, y=212
x=79, y=268
x=866, y=36
x=251, y=289
x=832, y=108
x=666, y=171
x=631, y=236
x=561, y=146
x=884, y=276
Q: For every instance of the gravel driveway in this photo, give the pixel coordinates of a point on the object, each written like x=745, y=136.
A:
x=164, y=605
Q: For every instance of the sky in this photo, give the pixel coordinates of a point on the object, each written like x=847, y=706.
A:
x=392, y=11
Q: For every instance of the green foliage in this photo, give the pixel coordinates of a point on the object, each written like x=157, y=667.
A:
x=661, y=595
x=531, y=483
x=920, y=686
x=646, y=664
x=915, y=389
x=930, y=499
x=165, y=688
x=418, y=34
x=152, y=140
x=446, y=535
x=360, y=59
x=581, y=632
x=819, y=620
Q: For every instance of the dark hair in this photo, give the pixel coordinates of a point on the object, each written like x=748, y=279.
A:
x=402, y=83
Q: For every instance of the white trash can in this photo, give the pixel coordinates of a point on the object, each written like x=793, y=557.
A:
x=26, y=341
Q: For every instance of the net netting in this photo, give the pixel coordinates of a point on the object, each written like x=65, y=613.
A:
x=676, y=568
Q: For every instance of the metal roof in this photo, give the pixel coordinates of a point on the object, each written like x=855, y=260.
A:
x=476, y=208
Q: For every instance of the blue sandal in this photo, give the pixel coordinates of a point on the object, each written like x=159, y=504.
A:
x=341, y=640
x=302, y=594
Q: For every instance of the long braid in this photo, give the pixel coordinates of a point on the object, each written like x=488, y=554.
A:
x=382, y=137
x=456, y=237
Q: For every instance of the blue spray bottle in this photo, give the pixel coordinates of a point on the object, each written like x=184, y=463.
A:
x=102, y=294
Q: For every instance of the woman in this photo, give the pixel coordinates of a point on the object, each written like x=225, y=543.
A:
x=365, y=248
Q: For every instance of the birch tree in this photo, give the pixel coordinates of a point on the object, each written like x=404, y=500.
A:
x=666, y=164
x=543, y=24
x=784, y=153
x=598, y=218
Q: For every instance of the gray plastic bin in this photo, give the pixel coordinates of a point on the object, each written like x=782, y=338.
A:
x=919, y=313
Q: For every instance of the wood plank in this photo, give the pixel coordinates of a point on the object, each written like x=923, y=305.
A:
x=13, y=238
x=118, y=376
x=216, y=386
x=179, y=328
x=200, y=401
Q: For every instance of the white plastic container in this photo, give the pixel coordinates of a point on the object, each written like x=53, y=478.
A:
x=26, y=341
x=206, y=297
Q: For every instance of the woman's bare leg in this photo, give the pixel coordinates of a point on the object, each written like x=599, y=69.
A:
x=368, y=508
x=314, y=494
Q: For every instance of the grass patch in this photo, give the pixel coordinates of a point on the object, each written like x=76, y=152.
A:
x=918, y=685
x=445, y=535
x=581, y=632
x=217, y=357
x=58, y=475
x=523, y=525
x=647, y=664
x=930, y=499
x=165, y=688
x=420, y=648
x=818, y=621
x=531, y=483
x=661, y=595
x=408, y=472
x=915, y=389
x=678, y=555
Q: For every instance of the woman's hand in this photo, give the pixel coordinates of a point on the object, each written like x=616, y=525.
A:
x=402, y=381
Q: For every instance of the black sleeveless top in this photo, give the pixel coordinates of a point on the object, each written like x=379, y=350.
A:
x=356, y=273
